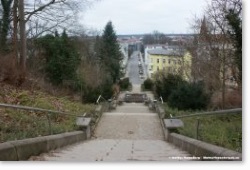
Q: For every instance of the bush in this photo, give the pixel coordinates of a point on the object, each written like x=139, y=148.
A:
x=189, y=96
x=166, y=83
x=124, y=83
x=91, y=94
x=148, y=84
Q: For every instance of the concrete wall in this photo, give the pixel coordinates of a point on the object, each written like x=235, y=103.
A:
x=23, y=149
x=203, y=150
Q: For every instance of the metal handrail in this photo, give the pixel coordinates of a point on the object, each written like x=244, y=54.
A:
x=34, y=109
x=219, y=112
x=161, y=100
x=100, y=97
x=213, y=113
x=48, y=112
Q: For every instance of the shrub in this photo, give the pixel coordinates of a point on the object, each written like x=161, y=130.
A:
x=189, y=96
x=166, y=83
x=91, y=94
x=124, y=83
x=148, y=84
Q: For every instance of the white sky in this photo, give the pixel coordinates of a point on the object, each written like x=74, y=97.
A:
x=143, y=16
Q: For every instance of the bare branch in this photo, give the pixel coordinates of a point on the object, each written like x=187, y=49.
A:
x=40, y=9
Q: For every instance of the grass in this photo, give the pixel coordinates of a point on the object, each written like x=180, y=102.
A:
x=221, y=130
x=17, y=124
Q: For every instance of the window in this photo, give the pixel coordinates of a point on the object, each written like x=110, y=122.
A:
x=169, y=61
x=164, y=60
x=158, y=60
x=158, y=68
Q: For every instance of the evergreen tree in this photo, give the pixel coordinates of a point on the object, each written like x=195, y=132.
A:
x=109, y=52
x=5, y=22
x=62, y=59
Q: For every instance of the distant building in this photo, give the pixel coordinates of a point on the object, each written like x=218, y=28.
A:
x=170, y=59
x=147, y=58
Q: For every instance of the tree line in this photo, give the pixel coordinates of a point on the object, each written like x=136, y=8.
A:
x=220, y=34
x=216, y=61
x=34, y=42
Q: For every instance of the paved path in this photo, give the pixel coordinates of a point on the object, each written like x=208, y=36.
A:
x=129, y=133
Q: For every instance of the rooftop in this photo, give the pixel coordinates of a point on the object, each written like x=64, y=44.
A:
x=166, y=52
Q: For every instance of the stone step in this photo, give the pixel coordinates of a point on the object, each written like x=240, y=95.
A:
x=118, y=150
x=132, y=108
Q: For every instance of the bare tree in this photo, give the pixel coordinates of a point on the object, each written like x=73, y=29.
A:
x=23, y=53
x=155, y=38
x=44, y=16
x=32, y=19
x=214, y=51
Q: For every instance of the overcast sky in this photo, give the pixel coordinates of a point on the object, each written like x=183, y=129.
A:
x=143, y=16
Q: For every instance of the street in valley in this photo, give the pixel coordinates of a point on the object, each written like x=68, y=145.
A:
x=133, y=69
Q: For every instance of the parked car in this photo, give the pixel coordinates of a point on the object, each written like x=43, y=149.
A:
x=142, y=77
x=140, y=71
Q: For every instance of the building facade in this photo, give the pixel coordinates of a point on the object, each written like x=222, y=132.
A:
x=174, y=61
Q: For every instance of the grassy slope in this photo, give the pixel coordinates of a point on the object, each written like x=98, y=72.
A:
x=16, y=124
x=223, y=130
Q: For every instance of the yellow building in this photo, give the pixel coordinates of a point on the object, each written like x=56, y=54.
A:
x=171, y=61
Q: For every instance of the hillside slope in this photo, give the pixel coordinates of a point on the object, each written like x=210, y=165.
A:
x=17, y=124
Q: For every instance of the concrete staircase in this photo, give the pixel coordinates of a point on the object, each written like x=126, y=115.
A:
x=129, y=133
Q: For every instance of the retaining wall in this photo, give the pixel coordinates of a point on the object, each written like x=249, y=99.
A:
x=23, y=149
x=202, y=149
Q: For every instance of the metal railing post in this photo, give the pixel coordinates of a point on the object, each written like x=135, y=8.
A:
x=197, y=128
x=161, y=100
x=49, y=122
x=47, y=114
